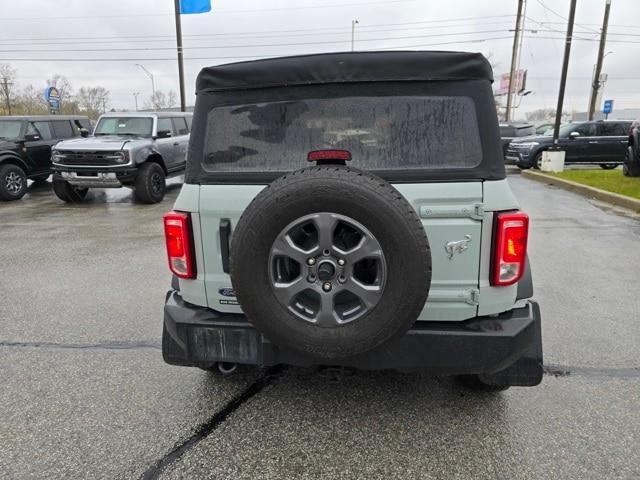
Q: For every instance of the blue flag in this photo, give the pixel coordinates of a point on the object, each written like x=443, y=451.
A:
x=195, y=6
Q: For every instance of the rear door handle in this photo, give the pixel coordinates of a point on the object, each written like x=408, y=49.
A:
x=175, y=144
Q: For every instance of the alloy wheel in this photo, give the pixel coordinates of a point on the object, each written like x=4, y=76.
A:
x=327, y=269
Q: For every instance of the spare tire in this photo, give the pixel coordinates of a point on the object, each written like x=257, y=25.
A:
x=331, y=262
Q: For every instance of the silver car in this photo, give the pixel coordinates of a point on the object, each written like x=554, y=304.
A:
x=138, y=150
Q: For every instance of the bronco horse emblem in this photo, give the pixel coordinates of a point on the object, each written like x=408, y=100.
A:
x=457, y=246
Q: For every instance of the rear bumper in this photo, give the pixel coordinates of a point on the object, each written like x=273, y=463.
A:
x=506, y=349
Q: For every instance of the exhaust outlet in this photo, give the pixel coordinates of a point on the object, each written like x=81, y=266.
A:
x=227, y=368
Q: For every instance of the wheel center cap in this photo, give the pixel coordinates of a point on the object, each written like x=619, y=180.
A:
x=326, y=271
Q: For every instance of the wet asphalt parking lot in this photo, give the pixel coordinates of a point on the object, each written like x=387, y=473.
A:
x=84, y=392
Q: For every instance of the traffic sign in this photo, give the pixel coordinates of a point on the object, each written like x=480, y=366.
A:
x=608, y=107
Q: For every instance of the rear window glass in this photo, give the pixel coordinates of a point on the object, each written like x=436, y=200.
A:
x=382, y=133
x=526, y=131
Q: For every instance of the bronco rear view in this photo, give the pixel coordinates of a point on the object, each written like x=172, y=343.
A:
x=351, y=209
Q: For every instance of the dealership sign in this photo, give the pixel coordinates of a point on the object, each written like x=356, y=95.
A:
x=519, y=82
x=52, y=97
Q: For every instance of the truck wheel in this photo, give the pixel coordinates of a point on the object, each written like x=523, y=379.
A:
x=13, y=182
x=331, y=262
x=474, y=382
x=67, y=192
x=537, y=161
x=608, y=166
x=150, y=183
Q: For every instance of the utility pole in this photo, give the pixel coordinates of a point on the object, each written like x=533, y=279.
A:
x=135, y=96
x=353, y=34
x=183, y=107
x=514, y=56
x=565, y=68
x=595, y=86
x=5, y=88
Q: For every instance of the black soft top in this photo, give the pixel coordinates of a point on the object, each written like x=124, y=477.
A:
x=346, y=67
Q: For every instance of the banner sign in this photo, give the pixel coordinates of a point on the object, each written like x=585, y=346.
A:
x=520, y=82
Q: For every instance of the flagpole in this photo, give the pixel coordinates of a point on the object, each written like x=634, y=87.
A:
x=183, y=107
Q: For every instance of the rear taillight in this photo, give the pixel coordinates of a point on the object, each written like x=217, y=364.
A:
x=509, y=247
x=177, y=233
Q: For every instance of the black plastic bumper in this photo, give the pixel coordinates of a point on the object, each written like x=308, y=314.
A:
x=505, y=349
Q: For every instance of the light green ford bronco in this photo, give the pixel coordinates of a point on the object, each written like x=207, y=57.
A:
x=351, y=209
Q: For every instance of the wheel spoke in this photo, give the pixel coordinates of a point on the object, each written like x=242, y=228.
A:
x=368, y=294
x=367, y=248
x=325, y=224
x=286, y=292
x=326, y=316
x=284, y=246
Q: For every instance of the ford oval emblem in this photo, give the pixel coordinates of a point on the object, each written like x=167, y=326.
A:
x=227, y=292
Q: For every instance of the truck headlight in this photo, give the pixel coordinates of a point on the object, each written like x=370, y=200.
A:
x=119, y=157
x=57, y=157
x=529, y=145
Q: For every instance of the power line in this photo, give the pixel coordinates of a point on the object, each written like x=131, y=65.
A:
x=204, y=37
x=325, y=42
x=398, y=47
x=306, y=31
x=564, y=18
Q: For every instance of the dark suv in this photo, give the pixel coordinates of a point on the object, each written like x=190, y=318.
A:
x=513, y=131
x=601, y=142
x=25, y=148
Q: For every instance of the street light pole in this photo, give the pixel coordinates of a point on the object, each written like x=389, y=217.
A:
x=183, y=106
x=153, y=84
x=353, y=34
x=135, y=96
x=595, y=86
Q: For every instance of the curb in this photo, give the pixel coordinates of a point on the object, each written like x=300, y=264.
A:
x=587, y=191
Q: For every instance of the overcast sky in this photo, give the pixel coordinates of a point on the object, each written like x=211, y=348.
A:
x=143, y=31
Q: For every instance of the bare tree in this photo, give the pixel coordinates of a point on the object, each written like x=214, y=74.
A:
x=30, y=101
x=161, y=100
x=542, y=114
x=7, y=87
x=93, y=100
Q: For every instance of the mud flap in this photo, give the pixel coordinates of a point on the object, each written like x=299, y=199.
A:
x=528, y=370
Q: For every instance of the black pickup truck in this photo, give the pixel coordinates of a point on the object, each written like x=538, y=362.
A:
x=602, y=142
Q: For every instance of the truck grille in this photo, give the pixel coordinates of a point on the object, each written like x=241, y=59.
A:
x=513, y=152
x=89, y=158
